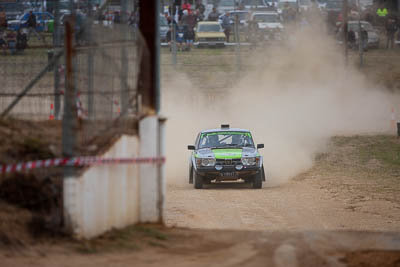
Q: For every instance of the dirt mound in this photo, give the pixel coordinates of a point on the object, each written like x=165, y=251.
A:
x=14, y=226
x=372, y=258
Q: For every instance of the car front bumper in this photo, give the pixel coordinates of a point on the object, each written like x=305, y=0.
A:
x=210, y=43
x=228, y=172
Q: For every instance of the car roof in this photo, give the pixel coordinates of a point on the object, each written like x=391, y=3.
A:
x=265, y=13
x=356, y=22
x=208, y=22
x=225, y=130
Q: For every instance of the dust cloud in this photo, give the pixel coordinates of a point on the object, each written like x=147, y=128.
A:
x=293, y=98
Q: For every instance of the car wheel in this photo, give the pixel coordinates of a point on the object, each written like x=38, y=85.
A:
x=191, y=175
x=198, y=180
x=257, y=181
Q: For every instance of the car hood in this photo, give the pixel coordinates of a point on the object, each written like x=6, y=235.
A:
x=270, y=25
x=227, y=153
x=372, y=35
x=13, y=21
x=210, y=34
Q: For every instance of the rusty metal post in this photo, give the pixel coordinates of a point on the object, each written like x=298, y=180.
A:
x=70, y=118
x=345, y=30
x=149, y=75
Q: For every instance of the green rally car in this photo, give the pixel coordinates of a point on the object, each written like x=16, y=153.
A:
x=225, y=154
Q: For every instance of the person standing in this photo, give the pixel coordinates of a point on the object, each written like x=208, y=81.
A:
x=226, y=25
x=32, y=24
x=381, y=13
x=391, y=29
x=364, y=38
x=3, y=20
x=213, y=16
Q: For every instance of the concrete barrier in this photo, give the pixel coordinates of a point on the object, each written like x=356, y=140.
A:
x=114, y=196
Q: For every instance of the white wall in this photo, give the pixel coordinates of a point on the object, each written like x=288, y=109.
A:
x=106, y=196
x=117, y=195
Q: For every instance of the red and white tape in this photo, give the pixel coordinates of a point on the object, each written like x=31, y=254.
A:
x=78, y=161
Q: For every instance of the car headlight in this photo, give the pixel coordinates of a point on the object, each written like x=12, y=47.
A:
x=208, y=162
x=249, y=161
x=205, y=162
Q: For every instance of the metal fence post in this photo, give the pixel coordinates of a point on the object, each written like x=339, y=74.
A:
x=90, y=60
x=70, y=119
x=124, y=60
x=173, y=44
x=56, y=44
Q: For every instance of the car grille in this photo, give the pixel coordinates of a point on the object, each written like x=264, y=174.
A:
x=228, y=162
x=212, y=39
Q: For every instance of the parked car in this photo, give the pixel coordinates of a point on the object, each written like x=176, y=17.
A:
x=225, y=154
x=243, y=16
x=373, y=36
x=163, y=28
x=42, y=19
x=13, y=9
x=264, y=26
x=209, y=33
x=226, y=5
x=253, y=4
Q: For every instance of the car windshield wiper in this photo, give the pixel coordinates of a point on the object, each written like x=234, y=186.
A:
x=225, y=145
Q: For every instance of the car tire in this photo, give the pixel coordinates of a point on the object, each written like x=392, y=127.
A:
x=257, y=181
x=198, y=181
x=191, y=175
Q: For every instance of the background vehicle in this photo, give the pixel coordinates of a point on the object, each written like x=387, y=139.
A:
x=373, y=36
x=253, y=4
x=209, y=33
x=226, y=5
x=225, y=154
x=264, y=26
x=163, y=28
x=243, y=16
x=13, y=9
x=290, y=3
x=42, y=19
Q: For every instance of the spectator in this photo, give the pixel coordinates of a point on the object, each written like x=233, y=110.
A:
x=226, y=25
x=168, y=37
x=132, y=19
x=381, y=13
x=189, y=37
x=200, y=7
x=191, y=20
x=213, y=16
x=3, y=43
x=351, y=38
x=199, y=16
x=3, y=20
x=22, y=41
x=391, y=29
x=180, y=36
x=186, y=6
x=117, y=18
x=31, y=22
x=364, y=38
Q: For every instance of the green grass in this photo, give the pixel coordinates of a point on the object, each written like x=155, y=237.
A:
x=385, y=149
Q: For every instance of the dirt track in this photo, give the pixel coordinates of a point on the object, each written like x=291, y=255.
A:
x=298, y=205
x=341, y=192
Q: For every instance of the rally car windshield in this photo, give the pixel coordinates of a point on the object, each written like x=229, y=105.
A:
x=225, y=139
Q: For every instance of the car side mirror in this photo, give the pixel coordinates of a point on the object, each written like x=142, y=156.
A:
x=191, y=147
x=260, y=146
